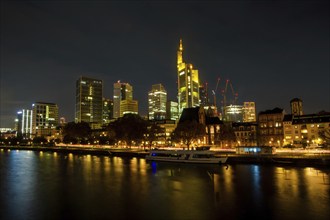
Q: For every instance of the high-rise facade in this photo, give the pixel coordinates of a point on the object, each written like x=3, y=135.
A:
x=129, y=106
x=44, y=119
x=24, y=123
x=107, y=110
x=157, y=98
x=249, y=112
x=233, y=113
x=123, y=92
x=188, y=83
x=89, y=95
x=172, y=110
x=203, y=95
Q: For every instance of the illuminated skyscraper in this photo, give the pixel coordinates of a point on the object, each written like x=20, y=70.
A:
x=172, y=110
x=188, y=83
x=249, y=112
x=24, y=123
x=233, y=113
x=157, y=98
x=123, y=92
x=44, y=119
x=107, y=110
x=89, y=94
x=129, y=106
x=203, y=95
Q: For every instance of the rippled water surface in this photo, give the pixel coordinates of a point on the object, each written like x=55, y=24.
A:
x=46, y=185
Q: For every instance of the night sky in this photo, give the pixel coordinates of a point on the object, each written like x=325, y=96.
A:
x=271, y=51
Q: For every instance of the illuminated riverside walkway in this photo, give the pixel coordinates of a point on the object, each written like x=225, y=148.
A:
x=284, y=157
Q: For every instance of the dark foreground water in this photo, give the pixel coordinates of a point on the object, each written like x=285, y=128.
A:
x=45, y=185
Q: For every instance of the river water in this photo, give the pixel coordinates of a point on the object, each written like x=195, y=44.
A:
x=47, y=185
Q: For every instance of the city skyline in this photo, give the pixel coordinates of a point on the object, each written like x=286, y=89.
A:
x=272, y=52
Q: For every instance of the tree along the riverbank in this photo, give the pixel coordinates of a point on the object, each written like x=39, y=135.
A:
x=188, y=132
x=129, y=129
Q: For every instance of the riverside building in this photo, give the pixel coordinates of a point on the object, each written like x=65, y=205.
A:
x=89, y=95
x=44, y=119
x=24, y=123
x=270, y=124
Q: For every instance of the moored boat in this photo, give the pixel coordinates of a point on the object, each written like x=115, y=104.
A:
x=186, y=156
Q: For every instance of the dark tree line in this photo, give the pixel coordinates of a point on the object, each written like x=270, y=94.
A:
x=128, y=130
x=188, y=132
x=76, y=133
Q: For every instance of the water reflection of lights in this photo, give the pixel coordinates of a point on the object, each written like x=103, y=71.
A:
x=88, y=157
x=154, y=167
x=118, y=160
x=256, y=175
x=138, y=165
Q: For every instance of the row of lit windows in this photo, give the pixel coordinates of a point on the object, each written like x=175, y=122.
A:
x=242, y=134
x=270, y=132
x=270, y=125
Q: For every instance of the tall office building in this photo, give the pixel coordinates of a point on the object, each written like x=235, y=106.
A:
x=123, y=91
x=249, y=112
x=157, y=98
x=129, y=106
x=203, y=95
x=107, y=110
x=188, y=83
x=296, y=107
x=44, y=119
x=233, y=113
x=89, y=94
x=24, y=123
x=172, y=110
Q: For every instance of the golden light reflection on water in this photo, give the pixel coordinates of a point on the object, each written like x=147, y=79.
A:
x=194, y=190
x=138, y=166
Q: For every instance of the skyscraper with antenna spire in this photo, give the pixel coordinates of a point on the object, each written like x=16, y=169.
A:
x=188, y=82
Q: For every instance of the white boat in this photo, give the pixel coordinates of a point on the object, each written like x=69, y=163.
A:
x=186, y=156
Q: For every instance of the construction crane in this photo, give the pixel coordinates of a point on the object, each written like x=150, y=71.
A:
x=235, y=95
x=206, y=93
x=224, y=93
x=214, y=93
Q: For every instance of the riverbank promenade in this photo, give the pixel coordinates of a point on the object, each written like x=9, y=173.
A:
x=293, y=157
